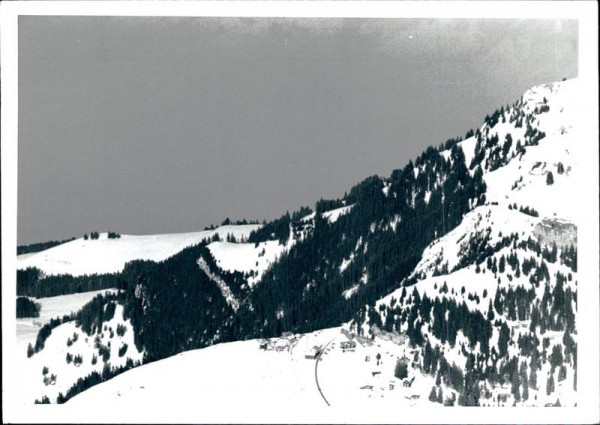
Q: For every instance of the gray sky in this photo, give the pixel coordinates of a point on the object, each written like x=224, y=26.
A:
x=156, y=125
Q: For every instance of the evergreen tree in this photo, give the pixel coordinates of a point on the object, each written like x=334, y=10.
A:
x=525, y=395
x=556, y=358
x=549, y=178
x=550, y=384
x=501, y=264
x=427, y=358
x=562, y=373
x=490, y=313
x=503, y=340
x=433, y=395
x=515, y=386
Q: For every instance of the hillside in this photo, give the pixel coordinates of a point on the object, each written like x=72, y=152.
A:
x=462, y=265
x=104, y=255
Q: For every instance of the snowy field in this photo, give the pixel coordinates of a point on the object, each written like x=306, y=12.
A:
x=27, y=328
x=31, y=380
x=246, y=257
x=262, y=382
x=80, y=257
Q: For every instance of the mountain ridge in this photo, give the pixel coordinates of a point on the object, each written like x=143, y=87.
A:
x=462, y=224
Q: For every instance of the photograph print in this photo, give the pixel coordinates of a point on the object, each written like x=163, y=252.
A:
x=270, y=218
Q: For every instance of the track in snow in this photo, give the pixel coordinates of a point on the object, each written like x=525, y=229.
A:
x=316, y=366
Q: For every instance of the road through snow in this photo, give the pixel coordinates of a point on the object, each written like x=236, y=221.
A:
x=316, y=367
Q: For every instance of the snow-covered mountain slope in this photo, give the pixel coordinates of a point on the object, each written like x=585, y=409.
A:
x=70, y=353
x=511, y=261
x=280, y=375
x=519, y=196
x=214, y=377
x=51, y=307
x=250, y=258
x=85, y=257
x=524, y=179
x=333, y=215
x=254, y=259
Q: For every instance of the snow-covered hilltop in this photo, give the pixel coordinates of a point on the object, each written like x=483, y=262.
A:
x=454, y=282
x=105, y=255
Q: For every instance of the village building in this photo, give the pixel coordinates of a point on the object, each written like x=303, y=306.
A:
x=348, y=345
x=313, y=353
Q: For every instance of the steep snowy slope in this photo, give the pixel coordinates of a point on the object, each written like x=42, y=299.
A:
x=524, y=179
x=51, y=307
x=104, y=255
x=249, y=258
x=70, y=353
x=519, y=195
x=511, y=262
x=255, y=258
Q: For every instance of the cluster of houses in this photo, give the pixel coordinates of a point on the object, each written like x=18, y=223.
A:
x=286, y=342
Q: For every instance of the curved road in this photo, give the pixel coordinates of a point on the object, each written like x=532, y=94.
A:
x=316, y=365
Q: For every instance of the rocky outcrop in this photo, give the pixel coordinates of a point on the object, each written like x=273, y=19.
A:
x=561, y=232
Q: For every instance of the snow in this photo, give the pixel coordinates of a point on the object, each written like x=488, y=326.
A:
x=521, y=181
x=468, y=147
x=246, y=257
x=216, y=376
x=393, y=224
x=351, y=291
x=333, y=215
x=346, y=262
x=257, y=381
x=558, y=199
x=500, y=221
x=227, y=294
x=51, y=307
x=427, y=196
x=386, y=189
x=54, y=355
x=84, y=257
x=559, y=146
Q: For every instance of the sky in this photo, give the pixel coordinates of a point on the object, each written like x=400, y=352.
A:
x=160, y=125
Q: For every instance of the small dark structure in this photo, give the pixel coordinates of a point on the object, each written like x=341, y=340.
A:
x=348, y=345
x=313, y=353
